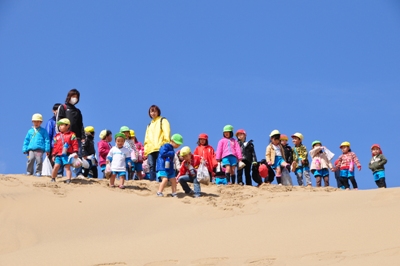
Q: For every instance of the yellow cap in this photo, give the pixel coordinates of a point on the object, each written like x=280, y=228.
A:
x=184, y=151
x=37, y=117
x=64, y=121
x=132, y=132
x=299, y=135
x=103, y=134
x=274, y=132
x=89, y=129
x=346, y=143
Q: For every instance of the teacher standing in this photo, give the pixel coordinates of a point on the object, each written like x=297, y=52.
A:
x=158, y=133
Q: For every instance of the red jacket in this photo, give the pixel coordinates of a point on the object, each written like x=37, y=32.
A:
x=70, y=138
x=208, y=154
x=194, y=162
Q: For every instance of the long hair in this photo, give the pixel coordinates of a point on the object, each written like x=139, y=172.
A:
x=154, y=108
x=71, y=93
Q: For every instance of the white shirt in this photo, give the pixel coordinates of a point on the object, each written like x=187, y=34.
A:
x=118, y=163
x=277, y=150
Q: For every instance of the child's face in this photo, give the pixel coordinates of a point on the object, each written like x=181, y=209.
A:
x=284, y=142
x=120, y=142
x=36, y=124
x=202, y=141
x=153, y=113
x=317, y=145
x=63, y=128
x=176, y=146
x=109, y=138
x=275, y=141
x=127, y=134
x=375, y=151
x=227, y=134
x=296, y=141
x=187, y=157
x=345, y=149
x=241, y=136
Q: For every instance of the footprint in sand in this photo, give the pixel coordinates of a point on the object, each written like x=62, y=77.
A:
x=10, y=181
x=163, y=263
x=111, y=264
x=262, y=262
x=55, y=188
x=142, y=189
x=331, y=257
x=218, y=261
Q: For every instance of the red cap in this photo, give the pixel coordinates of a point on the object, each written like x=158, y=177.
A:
x=240, y=131
x=203, y=136
x=263, y=170
x=284, y=137
x=377, y=146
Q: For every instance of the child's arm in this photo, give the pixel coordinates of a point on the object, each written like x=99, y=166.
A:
x=27, y=140
x=315, y=151
x=54, y=145
x=303, y=153
x=74, y=143
x=383, y=160
x=110, y=156
x=268, y=153
x=238, y=151
x=356, y=161
x=165, y=153
x=218, y=154
x=253, y=153
x=46, y=142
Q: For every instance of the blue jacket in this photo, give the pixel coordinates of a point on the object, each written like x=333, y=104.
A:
x=166, y=151
x=36, y=139
x=51, y=129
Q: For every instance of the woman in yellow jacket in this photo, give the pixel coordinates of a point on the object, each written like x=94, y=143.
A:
x=158, y=133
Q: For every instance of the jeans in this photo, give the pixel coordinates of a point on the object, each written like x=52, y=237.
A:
x=151, y=161
x=183, y=180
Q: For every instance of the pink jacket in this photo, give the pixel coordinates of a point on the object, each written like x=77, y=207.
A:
x=228, y=147
x=103, y=147
x=140, y=150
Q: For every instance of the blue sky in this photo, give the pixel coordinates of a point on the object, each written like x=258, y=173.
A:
x=328, y=69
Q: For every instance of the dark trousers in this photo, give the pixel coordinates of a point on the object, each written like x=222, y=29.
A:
x=152, y=161
x=345, y=182
x=247, y=174
x=381, y=183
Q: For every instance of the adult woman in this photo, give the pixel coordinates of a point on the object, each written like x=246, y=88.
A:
x=157, y=134
x=68, y=110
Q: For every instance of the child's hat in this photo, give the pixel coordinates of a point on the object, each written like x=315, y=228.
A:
x=274, y=132
x=375, y=146
x=124, y=129
x=240, y=131
x=119, y=135
x=89, y=129
x=345, y=143
x=103, y=134
x=228, y=128
x=177, y=138
x=263, y=170
x=315, y=142
x=184, y=151
x=203, y=136
x=132, y=133
x=284, y=137
x=298, y=135
x=63, y=121
x=37, y=117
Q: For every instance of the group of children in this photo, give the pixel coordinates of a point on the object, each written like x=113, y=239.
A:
x=233, y=156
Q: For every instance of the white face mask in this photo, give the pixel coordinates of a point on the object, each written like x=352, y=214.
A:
x=73, y=100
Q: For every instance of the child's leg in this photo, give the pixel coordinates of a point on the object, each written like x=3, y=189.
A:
x=39, y=162
x=163, y=183
x=67, y=168
x=233, y=176
x=239, y=176
x=354, y=182
x=299, y=175
x=30, y=163
x=112, y=180
x=247, y=174
x=228, y=173
x=278, y=171
x=55, y=170
x=345, y=182
x=307, y=176
x=173, y=184
x=318, y=180
x=122, y=177
x=326, y=181
x=381, y=183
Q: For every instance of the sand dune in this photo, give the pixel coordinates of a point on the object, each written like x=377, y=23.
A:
x=88, y=223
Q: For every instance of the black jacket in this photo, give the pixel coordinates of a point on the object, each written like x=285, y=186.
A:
x=75, y=117
x=248, y=152
x=88, y=146
x=288, y=153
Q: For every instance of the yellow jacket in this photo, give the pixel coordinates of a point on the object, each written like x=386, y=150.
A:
x=270, y=153
x=157, y=134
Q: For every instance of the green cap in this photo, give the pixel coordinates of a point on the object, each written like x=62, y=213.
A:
x=123, y=129
x=315, y=142
x=177, y=138
x=228, y=128
x=120, y=135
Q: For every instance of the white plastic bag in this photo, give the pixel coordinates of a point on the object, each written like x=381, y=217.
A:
x=47, y=169
x=202, y=174
x=85, y=164
x=329, y=154
x=241, y=165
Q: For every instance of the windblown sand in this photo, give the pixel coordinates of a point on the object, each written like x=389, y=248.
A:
x=88, y=223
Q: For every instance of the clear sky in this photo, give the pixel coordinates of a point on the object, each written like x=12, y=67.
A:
x=328, y=69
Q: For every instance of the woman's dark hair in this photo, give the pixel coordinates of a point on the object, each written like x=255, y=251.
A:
x=71, y=93
x=55, y=106
x=154, y=108
x=198, y=142
x=230, y=134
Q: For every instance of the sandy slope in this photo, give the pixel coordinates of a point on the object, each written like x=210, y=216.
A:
x=88, y=223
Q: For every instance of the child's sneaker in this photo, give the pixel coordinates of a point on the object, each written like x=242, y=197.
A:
x=160, y=194
x=174, y=195
x=38, y=175
x=53, y=180
x=67, y=181
x=197, y=195
x=191, y=192
x=27, y=173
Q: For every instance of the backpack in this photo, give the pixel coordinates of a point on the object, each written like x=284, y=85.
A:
x=162, y=118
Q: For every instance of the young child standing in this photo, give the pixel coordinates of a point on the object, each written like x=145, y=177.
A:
x=300, y=163
x=377, y=165
x=346, y=163
x=65, y=144
x=36, y=142
x=287, y=180
x=138, y=165
x=206, y=152
x=130, y=145
x=165, y=162
x=275, y=155
x=120, y=158
x=104, y=147
x=229, y=153
x=188, y=171
x=320, y=163
x=249, y=157
x=89, y=153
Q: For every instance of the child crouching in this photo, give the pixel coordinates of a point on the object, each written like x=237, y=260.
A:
x=188, y=171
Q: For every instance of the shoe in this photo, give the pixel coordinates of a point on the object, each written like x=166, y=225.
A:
x=240, y=184
x=160, y=194
x=122, y=187
x=280, y=184
x=59, y=175
x=197, y=195
x=112, y=186
x=38, y=175
x=68, y=181
x=355, y=188
x=27, y=173
x=81, y=176
x=174, y=195
x=191, y=192
x=53, y=180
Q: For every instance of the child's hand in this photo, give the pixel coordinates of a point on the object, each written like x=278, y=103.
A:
x=303, y=161
x=129, y=164
x=76, y=156
x=359, y=168
x=269, y=163
x=53, y=159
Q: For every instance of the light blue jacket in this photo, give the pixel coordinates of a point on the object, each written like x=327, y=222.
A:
x=36, y=139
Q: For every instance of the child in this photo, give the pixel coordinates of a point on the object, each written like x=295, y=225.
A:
x=65, y=143
x=229, y=153
x=120, y=158
x=36, y=142
x=320, y=163
x=187, y=173
x=165, y=162
x=346, y=163
x=377, y=165
x=104, y=147
x=146, y=170
x=300, y=163
x=275, y=155
x=249, y=157
x=220, y=176
x=89, y=153
x=207, y=153
x=138, y=165
x=130, y=145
